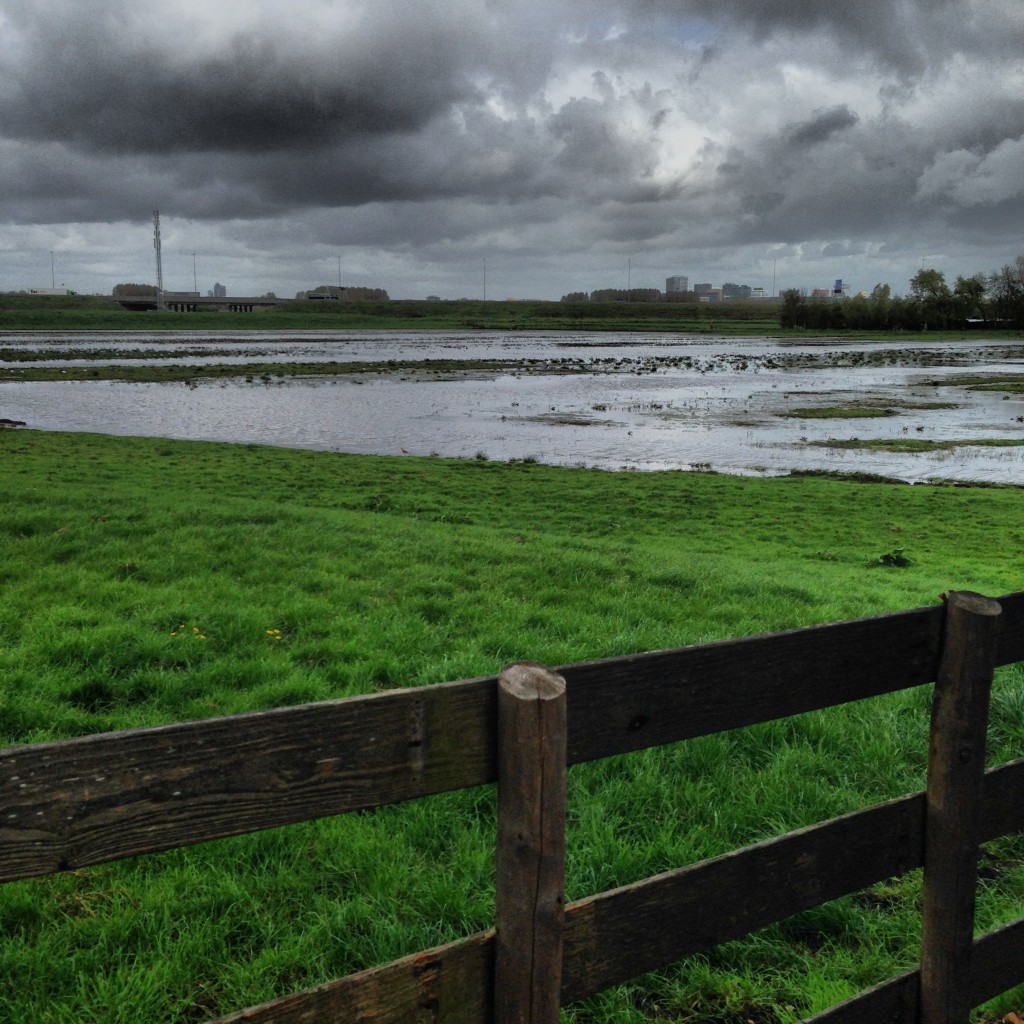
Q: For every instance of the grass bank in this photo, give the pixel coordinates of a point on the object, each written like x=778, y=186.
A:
x=98, y=313
x=73, y=312
x=266, y=372
x=915, y=444
x=148, y=581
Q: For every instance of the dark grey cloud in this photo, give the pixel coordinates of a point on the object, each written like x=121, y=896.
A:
x=905, y=35
x=255, y=96
x=596, y=128
x=821, y=127
x=834, y=174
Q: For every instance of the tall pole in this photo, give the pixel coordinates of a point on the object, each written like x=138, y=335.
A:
x=159, y=261
x=195, y=280
x=53, y=274
x=629, y=277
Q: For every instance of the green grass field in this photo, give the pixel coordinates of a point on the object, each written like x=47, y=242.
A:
x=758, y=319
x=87, y=312
x=150, y=581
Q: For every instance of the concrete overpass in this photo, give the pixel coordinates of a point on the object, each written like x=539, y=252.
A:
x=188, y=302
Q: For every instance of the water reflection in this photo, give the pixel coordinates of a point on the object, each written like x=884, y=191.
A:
x=629, y=401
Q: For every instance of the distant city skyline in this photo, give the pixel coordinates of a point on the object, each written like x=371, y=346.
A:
x=638, y=277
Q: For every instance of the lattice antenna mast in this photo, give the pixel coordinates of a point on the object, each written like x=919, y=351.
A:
x=159, y=258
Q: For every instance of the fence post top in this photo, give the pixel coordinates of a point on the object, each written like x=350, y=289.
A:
x=529, y=680
x=974, y=604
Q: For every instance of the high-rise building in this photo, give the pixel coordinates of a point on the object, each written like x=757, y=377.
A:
x=677, y=284
x=219, y=291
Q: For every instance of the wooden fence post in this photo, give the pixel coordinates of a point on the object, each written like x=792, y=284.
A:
x=956, y=763
x=530, y=857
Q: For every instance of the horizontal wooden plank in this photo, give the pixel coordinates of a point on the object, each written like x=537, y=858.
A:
x=85, y=801
x=1011, y=629
x=638, y=928
x=625, y=704
x=997, y=965
x=1003, y=800
x=454, y=981
x=450, y=984
x=627, y=932
x=893, y=1002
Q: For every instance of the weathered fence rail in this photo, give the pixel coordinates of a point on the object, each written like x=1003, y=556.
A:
x=73, y=803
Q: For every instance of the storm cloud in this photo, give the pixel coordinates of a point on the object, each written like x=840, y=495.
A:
x=557, y=140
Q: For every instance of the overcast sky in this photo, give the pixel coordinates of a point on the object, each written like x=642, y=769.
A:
x=532, y=147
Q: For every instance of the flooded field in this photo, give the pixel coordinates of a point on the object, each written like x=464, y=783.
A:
x=914, y=410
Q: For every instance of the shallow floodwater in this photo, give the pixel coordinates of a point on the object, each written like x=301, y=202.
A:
x=615, y=401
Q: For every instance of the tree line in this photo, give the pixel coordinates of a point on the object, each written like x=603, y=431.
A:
x=345, y=293
x=616, y=295
x=995, y=299
x=729, y=291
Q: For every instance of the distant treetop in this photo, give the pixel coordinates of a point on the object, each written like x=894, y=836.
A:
x=123, y=291
x=345, y=294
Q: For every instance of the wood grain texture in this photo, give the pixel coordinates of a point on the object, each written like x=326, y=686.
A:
x=956, y=765
x=452, y=984
x=626, y=932
x=67, y=804
x=85, y=801
x=530, y=854
x=625, y=704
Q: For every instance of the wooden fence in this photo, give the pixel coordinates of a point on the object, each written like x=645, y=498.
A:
x=73, y=803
